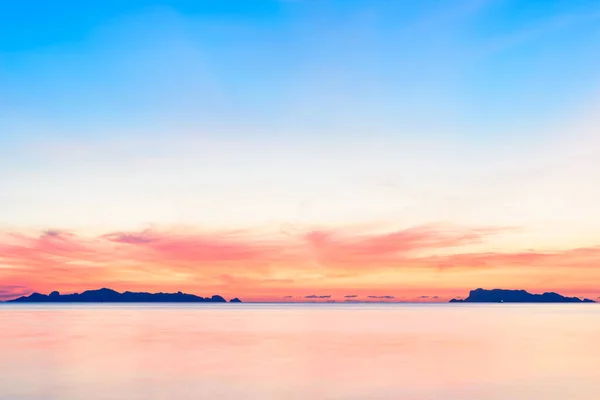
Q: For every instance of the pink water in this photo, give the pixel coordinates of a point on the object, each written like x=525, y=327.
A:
x=351, y=351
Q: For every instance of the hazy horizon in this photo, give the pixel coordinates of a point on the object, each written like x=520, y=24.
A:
x=309, y=299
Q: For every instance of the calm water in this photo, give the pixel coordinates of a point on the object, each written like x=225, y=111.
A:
x=235, y=351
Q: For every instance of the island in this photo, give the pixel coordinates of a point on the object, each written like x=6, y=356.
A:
x=105, y=295
x=516, y=296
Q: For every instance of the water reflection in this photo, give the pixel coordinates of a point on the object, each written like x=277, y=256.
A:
x=300, y=351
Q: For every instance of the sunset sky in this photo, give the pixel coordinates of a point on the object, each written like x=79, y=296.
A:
x=300, y=150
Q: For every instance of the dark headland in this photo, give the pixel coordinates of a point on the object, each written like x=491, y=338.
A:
x=112, y=296
x=516, y=296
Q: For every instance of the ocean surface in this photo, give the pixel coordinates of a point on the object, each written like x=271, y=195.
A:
x=294, y=351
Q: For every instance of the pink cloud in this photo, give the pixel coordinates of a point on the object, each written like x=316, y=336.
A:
x=359, y=249
x=247, y=262
x=12, y=291
x=218, y=247
x=580, y=257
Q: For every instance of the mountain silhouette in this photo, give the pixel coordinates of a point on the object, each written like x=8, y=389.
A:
x=105, y=295
x=516, y=296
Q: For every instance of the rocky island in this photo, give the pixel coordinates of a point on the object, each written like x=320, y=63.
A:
x=111, y=296
x=516, y=296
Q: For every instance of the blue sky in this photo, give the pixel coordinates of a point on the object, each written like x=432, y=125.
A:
x=484, y=68
x=119, y=81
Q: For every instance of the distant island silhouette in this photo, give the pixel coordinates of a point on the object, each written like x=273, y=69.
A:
x=516, y=296
x=105, y=295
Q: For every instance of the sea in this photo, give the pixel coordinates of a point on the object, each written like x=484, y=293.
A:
x=300, y=351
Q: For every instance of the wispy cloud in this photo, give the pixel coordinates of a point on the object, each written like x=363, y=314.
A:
x=586, y=257
x=250, y=261
x=12, y=291
x=331, y=248
x=186, y=250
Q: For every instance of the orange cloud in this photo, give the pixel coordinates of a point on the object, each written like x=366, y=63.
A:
x=257, y=266
x=581, y=257
x=195, y=247
x=352, y=249
x=12, y=291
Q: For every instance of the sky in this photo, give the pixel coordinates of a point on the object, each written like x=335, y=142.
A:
x=300, y=150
